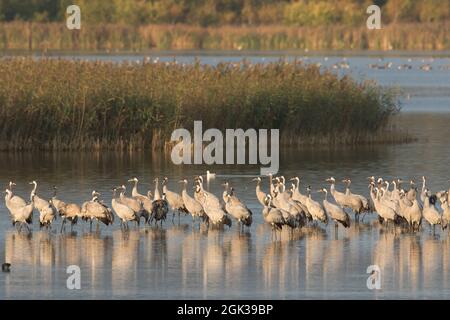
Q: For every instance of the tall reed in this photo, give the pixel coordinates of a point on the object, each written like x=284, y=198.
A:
x=119, y=37
x=64, y=104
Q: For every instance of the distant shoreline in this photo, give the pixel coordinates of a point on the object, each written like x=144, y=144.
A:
x=235, y=53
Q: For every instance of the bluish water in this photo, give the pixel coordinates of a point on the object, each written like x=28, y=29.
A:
x=185, y=261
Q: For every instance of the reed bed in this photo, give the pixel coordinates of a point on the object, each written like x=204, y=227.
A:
x=19, y=35
x=62, y=104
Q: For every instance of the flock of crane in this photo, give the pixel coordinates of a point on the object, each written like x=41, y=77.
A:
x=282, y=207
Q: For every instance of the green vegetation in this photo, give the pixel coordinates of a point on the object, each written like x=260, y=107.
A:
x=61, y=104
x=228, y=12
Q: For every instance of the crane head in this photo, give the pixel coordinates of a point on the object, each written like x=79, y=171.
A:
x=268, y=199
x=95, y=194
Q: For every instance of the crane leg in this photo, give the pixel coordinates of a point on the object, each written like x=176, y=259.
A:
x=362, y=219
x=62, y=225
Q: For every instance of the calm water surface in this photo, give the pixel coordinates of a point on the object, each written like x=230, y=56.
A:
x=189, y=262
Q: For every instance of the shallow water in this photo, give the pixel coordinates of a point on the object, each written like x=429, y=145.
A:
x=185, y=261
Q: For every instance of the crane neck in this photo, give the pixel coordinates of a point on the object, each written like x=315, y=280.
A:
x=8, y=194
x=34, y=187
x=134, y=190
x=258, y=186
x=271, y=187
x=157, y=195
x=332, y=188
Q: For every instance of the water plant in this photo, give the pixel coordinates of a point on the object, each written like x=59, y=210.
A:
x=73, y=104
